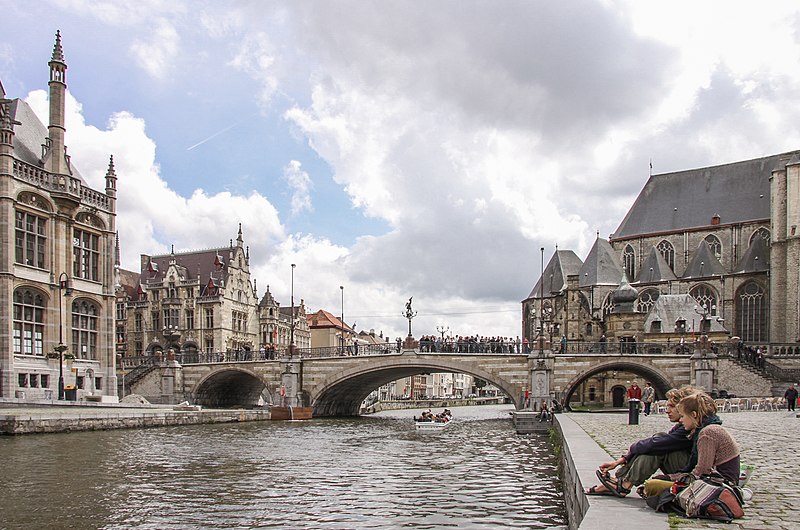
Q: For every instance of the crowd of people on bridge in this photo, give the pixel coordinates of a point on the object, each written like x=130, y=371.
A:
x=472, y=344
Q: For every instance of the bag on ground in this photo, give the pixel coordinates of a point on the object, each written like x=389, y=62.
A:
x=709, y=497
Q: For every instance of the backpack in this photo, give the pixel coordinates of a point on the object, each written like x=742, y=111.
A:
x=708, y=497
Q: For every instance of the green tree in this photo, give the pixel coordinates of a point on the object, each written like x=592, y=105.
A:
x=479, y=384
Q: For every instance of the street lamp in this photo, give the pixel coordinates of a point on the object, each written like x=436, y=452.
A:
x=541, y=307
x=64, y=287
x=291, y=322
x=704, y=311
x=442, y=330
x=341, y=337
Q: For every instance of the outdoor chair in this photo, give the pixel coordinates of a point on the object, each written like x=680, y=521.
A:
x=735, y=404
x=661, y=406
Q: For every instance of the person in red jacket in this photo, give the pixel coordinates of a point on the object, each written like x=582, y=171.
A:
x=635, y=391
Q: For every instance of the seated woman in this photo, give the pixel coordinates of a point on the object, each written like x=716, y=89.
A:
x=713, y=448
x=668, y=452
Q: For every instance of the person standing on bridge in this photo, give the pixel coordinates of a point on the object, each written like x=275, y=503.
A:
x=666, y=451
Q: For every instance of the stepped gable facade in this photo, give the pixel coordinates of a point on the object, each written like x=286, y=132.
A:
x=57, y=264
x=725, y=235
x=202, y=301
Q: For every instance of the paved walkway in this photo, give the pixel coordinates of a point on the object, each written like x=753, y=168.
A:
x=770, y=441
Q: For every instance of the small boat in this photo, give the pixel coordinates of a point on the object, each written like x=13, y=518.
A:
x=433, y=422
x=431, y=425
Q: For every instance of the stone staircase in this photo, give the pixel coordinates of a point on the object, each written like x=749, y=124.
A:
x=779, y=378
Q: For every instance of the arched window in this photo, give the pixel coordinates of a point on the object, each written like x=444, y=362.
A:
x=715, y=245
x=30, y=239
x=668, y=251
x=85, y=316
x=28, y=322
x=763, y=233
x=646, y=300
x=751, y=313
x=85, y=255
x=629, y=262
x=608, y=305
x=705, y=296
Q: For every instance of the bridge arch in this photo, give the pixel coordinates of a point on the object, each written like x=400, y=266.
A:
x=229, y=387
x=341, y=394
x=660, y=382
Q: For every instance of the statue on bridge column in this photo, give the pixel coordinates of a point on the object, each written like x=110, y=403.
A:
x=409, y=314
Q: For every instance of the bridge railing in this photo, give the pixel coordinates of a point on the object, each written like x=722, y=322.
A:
x=631, y=348
x=348, y=351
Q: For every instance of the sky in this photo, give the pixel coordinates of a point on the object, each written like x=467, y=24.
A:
x=402, y=149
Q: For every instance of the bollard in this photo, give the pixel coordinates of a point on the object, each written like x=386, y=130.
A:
x=633, y=412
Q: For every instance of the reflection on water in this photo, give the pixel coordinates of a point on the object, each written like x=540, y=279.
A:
x=371, y=472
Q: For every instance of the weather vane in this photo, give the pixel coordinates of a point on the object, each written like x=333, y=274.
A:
x=409, y=314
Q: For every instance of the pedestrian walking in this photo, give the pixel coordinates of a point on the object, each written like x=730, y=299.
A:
x=791, y=397
x=648, y=397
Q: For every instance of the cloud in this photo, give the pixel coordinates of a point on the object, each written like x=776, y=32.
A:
x=300, y=184
x=150, y=215
x=476, y=135
x=156, y=54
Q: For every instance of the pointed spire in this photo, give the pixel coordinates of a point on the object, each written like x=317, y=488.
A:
x=111, y=178
x=58, y=52
x=239, y=239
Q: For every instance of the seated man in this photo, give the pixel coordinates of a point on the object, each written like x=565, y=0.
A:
x=667, y=451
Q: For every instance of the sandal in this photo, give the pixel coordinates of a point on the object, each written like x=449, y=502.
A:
x=616, y=488
x=594, y=491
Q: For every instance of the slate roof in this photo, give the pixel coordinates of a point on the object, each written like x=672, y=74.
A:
x=129, y=283
x=704, y=263
x=196, y=265
x=562, y=264
x=267, y=299
x=755, y=258
x=602, y=266
x=668, y=308
x=737, y=192
x=30, y=135
x=661, y=271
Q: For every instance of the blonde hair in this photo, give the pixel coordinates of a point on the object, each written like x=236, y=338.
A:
x=676, y=394
x=699, y=403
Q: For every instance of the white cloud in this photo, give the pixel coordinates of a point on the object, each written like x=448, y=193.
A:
x=300, y=184
x=150, y=215
x=156, y=53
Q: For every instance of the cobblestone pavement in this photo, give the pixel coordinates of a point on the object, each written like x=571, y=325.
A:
x=769, y=441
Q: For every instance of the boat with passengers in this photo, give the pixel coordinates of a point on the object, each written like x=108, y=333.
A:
x=429, y=421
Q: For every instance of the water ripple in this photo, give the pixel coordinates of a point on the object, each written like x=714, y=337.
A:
x=375, y=473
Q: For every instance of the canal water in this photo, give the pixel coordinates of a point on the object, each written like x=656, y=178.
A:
x=373, y=472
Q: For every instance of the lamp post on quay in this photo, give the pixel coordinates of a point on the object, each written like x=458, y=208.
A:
x=291, y=322
x=64, y=287
x=341, y=336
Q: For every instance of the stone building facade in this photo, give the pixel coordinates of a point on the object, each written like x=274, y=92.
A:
x=724, y=235
x=56, y=257
x=203, y=305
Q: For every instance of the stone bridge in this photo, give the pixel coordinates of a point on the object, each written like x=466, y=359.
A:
x=337, y=385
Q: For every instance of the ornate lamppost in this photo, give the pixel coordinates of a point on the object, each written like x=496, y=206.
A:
x=341, y=336
x=64, y=288
x=291, y=322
